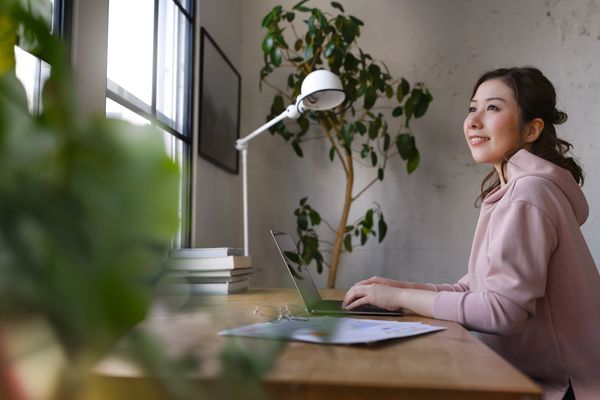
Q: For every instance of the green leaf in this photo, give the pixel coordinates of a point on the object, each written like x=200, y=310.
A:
x=268, y=19
x=413, y=162
x=421, y=108
x=363, y=238
x=406, y=145
x=382, y=228
x=397, y=111
x=380, y=174
x=303, y=201
x=348, y=228
x=374, y=71
x=298, y=6
x=347, y=135
x=315, y=218
x=348, y=243
x=337, y=5
x=267, y=44
x=373, y=158
x=302, y=221
x=370, y=97
x=408, y=111
x=368, y=222
x=298, y=45
x=373, y=129
x=416, y=96
x=308, y=52
x=360, y=127
x=365, y=150
x=329, y=49
x=389, y=91
x=402, y=90
x=386, y=141
x=332, y=153
x=297, y=148
x=290, y=16
x=276, y=56
x=356, y=21
x=349, y=31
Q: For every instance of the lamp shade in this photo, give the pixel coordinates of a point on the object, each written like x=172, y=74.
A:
x=321, y=90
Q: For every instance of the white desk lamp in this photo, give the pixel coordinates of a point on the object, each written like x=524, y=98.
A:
x=321, y=90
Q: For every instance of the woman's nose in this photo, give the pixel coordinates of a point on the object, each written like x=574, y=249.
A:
x=474, y=121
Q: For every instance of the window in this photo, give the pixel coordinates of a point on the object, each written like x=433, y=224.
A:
x=149, y=74
x=30, y=70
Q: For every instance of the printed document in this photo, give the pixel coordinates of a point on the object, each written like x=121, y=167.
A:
x=332, y=330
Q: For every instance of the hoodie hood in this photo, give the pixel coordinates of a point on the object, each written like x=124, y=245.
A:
x=524, y=163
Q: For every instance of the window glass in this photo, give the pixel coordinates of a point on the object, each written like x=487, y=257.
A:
x=177, y=149
x=130, y=46
x=117, y=111
x=31, y=71
x=173, y=56
x=28, y=71
x=147, y=89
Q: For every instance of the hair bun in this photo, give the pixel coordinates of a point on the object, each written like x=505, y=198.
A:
x=559, y=117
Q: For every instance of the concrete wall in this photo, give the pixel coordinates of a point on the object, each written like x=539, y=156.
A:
x=430, y=214
x=217, y=210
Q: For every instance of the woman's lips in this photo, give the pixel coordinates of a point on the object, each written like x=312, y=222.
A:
x=475, y=140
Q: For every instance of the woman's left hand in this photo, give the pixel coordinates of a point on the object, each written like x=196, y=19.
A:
x=377, y=295
x=413, y=301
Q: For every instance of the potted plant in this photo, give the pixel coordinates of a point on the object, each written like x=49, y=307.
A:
x=371, y=126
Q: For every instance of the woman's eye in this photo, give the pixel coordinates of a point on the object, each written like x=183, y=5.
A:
x=471, y=109
x=492, y=107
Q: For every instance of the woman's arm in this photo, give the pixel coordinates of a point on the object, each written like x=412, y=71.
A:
x=398, y=284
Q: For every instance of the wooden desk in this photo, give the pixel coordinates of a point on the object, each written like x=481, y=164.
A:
x=451, y=364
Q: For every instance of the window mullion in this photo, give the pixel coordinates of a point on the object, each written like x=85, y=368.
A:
x=155, y=57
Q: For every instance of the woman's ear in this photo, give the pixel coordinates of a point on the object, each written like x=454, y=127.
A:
x=533, y=130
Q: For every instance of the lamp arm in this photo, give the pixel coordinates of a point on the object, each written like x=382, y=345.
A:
x=241, y=145
x=290, y=112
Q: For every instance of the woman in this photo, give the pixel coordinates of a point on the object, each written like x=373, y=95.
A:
x=532, y=288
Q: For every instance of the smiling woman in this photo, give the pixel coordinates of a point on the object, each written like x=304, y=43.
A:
x=532, y=290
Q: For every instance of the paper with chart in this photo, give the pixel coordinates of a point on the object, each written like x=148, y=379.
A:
x=333, y=330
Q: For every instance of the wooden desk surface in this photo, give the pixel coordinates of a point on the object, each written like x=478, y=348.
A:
x=451, y=364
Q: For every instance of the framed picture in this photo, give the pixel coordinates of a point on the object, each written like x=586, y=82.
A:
x=220, y=86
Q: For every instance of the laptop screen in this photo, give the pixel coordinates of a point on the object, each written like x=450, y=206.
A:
x=299, y=272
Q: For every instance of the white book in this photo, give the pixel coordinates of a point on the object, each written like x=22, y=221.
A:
x=206, y=252
x=209, y=263
x=222, y=273
x=196, y=279
x=212, y=288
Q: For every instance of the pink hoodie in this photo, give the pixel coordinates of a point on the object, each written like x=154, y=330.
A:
x=532, y=288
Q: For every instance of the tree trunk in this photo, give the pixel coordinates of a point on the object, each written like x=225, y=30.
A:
x=339, y=238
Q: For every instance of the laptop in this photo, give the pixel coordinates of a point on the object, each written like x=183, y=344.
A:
x=306, y=286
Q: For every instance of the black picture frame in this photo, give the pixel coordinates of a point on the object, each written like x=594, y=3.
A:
x=219, y=106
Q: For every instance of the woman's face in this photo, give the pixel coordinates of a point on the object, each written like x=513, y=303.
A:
x=492, y=125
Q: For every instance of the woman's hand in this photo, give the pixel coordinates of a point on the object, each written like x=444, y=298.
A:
x=391, y=298
x=378, y=295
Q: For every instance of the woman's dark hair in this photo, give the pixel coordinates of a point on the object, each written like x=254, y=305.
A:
x=536, y=98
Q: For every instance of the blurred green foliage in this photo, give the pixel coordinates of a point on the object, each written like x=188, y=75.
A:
x=88, y=205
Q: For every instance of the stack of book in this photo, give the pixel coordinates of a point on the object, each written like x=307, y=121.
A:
x=220, y=270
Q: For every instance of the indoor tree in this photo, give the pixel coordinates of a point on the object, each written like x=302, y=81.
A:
x=370, y=127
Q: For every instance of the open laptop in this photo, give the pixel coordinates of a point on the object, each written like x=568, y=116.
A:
x=306, y=286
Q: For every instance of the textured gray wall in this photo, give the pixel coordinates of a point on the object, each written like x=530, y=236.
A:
x=430, y=214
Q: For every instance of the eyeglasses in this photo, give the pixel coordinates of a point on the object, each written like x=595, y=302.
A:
x=275, y=314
